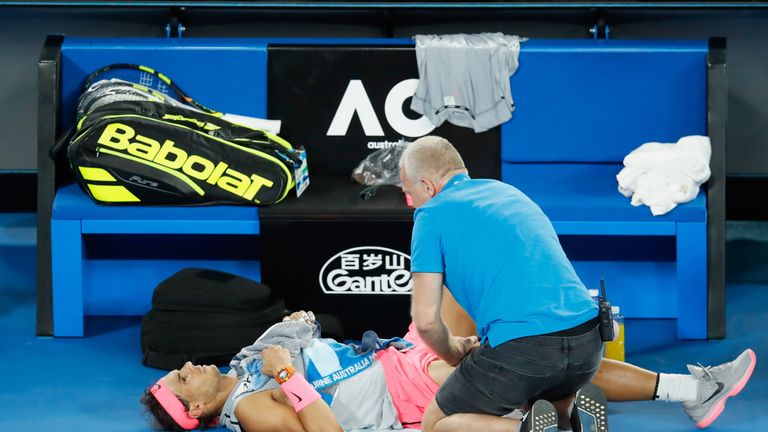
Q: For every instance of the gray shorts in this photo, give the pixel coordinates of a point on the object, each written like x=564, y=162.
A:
x=518, y=372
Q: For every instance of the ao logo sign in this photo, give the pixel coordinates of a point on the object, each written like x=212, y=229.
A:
x=356, y=100
x=367, y=270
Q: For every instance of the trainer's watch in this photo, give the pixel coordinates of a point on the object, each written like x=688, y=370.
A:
x=284, y=374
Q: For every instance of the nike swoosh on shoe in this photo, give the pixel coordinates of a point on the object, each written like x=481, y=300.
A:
x=716, y=392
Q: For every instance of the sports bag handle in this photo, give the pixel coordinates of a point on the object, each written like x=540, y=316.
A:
x=61, y=142
x=182, y=96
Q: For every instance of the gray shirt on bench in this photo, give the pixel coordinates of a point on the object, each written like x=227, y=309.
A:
x=465, y=78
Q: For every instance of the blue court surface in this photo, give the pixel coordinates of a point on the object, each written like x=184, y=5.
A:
x=94, y=383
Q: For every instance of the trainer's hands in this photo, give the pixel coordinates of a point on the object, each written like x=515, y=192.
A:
x=461, y=346
x=273, y=359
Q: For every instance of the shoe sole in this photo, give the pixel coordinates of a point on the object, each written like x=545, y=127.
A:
x=543, y=417
x=720, y=405
x=592, y=405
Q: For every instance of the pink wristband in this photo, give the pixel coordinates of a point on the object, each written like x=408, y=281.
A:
x=299, y=392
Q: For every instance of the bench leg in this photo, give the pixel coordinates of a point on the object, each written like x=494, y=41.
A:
x=67, y=276
x=692, y=280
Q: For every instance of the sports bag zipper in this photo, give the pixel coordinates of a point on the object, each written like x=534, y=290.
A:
x=276, y=146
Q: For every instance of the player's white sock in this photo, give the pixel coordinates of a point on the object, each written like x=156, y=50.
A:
x=676, y=388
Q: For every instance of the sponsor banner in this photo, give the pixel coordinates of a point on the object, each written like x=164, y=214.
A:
x=367, y=270
x=303, y=255
x=343, y=102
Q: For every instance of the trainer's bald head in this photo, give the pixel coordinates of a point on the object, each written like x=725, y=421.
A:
x=426, y=165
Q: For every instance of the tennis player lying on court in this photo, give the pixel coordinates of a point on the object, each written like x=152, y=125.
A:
x=381, y=384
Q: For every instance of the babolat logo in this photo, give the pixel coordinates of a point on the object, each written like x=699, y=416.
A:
x=124, y=138
x=367, y=270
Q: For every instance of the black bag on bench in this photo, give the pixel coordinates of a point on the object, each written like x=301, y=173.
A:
x=206, y=317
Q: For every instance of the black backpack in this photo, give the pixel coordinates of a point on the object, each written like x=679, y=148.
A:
x=206, y=317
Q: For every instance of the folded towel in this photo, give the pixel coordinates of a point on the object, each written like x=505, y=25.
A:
x=292, y=335
x=663, y=175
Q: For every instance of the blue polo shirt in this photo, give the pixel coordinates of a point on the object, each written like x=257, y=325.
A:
x=501, y=260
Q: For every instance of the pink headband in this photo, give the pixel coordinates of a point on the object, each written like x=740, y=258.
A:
x=173, y=405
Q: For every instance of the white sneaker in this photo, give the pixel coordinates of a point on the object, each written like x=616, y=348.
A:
x=716, y=385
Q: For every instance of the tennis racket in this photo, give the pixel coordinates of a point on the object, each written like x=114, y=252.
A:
x=138, y=82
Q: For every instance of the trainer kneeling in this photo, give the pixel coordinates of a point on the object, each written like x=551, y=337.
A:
x=500, y=257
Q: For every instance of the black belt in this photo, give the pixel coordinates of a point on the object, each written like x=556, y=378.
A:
x=577, y=330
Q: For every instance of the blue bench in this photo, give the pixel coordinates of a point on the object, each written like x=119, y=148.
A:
x=100, y=258
x=582, y=106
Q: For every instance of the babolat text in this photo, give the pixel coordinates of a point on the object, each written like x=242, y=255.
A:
x=124, y=138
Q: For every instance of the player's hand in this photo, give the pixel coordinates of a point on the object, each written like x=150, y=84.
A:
x=273, y=359
x=461, y=346
x=307, y=317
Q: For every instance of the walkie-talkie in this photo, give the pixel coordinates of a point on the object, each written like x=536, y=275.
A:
x=604, y=315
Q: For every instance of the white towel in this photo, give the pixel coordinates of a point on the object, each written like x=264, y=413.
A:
x=690, y=155
x=663, y=175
